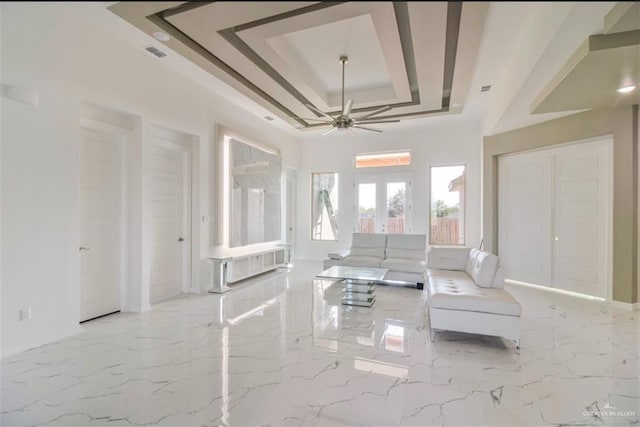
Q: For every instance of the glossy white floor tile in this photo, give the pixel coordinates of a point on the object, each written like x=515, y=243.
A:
x=281, y=350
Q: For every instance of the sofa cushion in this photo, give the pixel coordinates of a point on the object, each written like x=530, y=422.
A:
x=458, y=292
x=374, y=252
x=342, y=254
x=414, y=242
x=362, y=261
x=368, y=244
x=484, y=269
x=404, y=277
x=403, y=264
x=406, y=253
x=448, y=274
x=448, y=258
x=471, y=260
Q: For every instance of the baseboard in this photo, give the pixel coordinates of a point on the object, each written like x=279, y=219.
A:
x=13, y=349
x=139, y=308
x=628, y=306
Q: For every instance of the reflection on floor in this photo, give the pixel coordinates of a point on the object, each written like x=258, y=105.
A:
x=281, y=350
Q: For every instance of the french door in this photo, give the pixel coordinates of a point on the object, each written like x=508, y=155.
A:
x=384, y=203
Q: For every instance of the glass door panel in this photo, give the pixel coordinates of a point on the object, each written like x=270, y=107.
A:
x=367, y=207
x=396, y=207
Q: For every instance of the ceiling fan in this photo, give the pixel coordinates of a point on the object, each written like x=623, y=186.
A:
x=343, y=120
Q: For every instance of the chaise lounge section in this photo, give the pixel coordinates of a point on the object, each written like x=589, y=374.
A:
x=404, y=255
x=466, y=294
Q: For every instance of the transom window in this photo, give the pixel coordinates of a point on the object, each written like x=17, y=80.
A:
x=375, y=160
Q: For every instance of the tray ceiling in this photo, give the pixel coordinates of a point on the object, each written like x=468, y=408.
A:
x=417, y=57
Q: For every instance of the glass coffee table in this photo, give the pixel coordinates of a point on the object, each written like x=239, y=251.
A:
x=358, y=283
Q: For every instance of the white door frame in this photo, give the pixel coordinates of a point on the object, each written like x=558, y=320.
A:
x=381, y=179
x=122, y=135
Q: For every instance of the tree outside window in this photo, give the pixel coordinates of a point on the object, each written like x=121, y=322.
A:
x=447, y=222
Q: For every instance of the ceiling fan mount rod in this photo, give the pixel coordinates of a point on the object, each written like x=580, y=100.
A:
x=343, y=60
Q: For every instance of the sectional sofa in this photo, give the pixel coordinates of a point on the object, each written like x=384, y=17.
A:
x=404, y=255
x=466, y=294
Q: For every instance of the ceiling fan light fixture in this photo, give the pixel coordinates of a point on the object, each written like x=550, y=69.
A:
x=343, y=119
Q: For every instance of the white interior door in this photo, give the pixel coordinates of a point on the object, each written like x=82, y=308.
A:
x=580, y=236
x=384, y=204
x=290, y=208
x=170, y=231
x=100, y=223
x=554, y=217
x=524, y=218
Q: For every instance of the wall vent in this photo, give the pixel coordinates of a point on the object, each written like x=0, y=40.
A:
x=157, y=52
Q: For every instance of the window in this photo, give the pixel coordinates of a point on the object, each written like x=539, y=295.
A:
x=324, y=209
x=446, y=221
x=400, y=158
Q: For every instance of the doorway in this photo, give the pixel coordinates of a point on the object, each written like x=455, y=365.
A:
x=384, y=203
x=291, y=177
x=555, y=217
x=170, y=214
x=101, y=223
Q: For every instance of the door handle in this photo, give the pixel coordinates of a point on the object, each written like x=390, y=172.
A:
x=180, y=239
x=83, y=248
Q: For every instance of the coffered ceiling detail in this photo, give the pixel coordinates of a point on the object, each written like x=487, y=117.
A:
x=417, y=57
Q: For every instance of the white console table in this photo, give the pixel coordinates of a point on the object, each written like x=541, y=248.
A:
x=234, y=264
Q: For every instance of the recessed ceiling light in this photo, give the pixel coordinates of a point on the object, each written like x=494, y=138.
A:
x=163, y=37
x=626, y=89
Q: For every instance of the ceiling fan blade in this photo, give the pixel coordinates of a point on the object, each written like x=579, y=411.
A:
x=373, y=121
x=329, y=131
x=316, y=119
x=347, y=107
x=371, y=129
x=373, y=113
x=311, y=107
x=349, y=131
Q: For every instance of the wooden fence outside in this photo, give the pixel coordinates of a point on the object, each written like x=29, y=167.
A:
x=394, y=225
x=445, y=231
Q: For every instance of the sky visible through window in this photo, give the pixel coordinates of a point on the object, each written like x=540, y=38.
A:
x=441, y=176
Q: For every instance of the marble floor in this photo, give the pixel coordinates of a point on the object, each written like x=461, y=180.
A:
x=281, y=350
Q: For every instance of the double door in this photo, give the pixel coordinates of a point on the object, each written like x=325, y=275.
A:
x=384, y=204
x=555, y=217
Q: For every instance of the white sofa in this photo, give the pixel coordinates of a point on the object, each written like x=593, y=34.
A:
x=466, y=294
x=404, y=255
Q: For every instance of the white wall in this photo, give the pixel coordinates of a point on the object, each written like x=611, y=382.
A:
x=64, y=54
x=447, y=140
